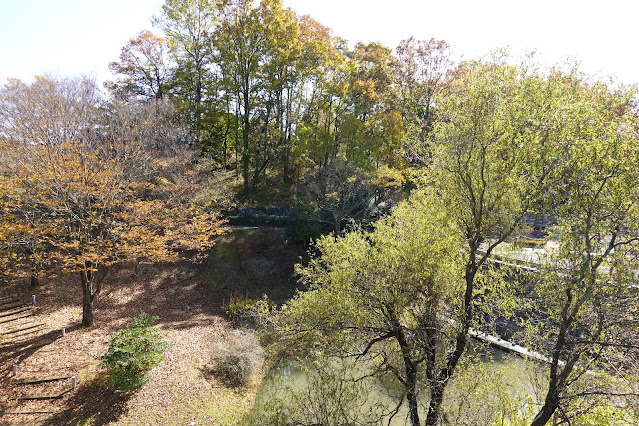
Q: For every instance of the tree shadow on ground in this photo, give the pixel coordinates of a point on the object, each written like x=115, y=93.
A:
x=18, y=352
x=243, y=264
x=183, y=295
x=93, y=402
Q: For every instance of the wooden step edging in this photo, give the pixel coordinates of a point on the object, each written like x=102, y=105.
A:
x=43, y=397
x=14, y=309
x=5, y=320
x=24, y=331
x=8, y=300
x=23, y=341
x=27, y=344
x=18, y=351
x=17, y=330
x=23, y=337
x=47, y=380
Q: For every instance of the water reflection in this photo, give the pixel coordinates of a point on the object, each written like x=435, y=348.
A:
x=489, y=386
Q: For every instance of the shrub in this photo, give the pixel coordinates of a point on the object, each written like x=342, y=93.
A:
x=249, y=312
x=306, y=223
x=237, y=358
x=132, y=352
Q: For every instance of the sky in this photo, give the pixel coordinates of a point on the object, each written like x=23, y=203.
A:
x=68, y=37
x=72, y=37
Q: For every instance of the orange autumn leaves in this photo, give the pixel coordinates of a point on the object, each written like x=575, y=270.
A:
x=100, y=197
x=92, y=208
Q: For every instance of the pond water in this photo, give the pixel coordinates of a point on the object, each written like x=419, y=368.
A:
x=493, y=385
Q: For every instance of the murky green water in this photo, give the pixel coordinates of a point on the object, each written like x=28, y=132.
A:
x=493, y=386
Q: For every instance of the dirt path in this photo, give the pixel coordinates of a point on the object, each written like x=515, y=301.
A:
x=179, y=393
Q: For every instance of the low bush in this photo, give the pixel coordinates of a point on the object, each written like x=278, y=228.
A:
x=307, y=223
x=249, y=312
x=237, y=358
x=132, y=352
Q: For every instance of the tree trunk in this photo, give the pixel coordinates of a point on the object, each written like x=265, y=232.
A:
x=87, y=298
x=35, y=268
x=35, y=281
x=411, y=396
x=198, y=99
x=436, y=398
x=286, y=138
x=245, y=138
x=337, y=223
x=546, y=412
x=90, y=290
x=554, y=384
x=410, y=383
x=245, y=166
x=227, y=131
x=286, y=170
x=441, y=381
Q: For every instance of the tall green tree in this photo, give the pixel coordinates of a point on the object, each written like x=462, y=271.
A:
x=285, y=72
x=372, y=131
x=320, y=55
x=189, y=26
x=494, y=157
x=349, y=129
x=241, y=47
x=384, y=298
x=318, y=133
x=266, y=62
x=279, y=74
x=143, y=68
x=351, y=116
x=421, y=71
x=587, y=289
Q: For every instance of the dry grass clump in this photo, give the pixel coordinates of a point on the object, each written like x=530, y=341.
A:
x=237, y=358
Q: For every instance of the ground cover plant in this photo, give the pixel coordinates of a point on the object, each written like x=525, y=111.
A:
x=132, y=352
x=195, y=336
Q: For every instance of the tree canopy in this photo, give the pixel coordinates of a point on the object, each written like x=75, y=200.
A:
x=424, y=174
x=406, y=295
x=98, y=194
